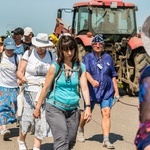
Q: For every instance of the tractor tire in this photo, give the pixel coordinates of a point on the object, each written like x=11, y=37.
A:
x=82, y=52
x=141, y=60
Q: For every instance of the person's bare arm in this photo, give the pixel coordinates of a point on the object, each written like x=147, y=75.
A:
x=85, y=92
x=21, y=71
x=48, y=82
x=114, y=80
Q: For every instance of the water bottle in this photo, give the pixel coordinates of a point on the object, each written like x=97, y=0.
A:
x=116, y=98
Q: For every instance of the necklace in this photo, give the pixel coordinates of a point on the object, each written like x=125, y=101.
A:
x=68, y=72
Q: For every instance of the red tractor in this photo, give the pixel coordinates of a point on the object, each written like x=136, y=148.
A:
x=116, y=20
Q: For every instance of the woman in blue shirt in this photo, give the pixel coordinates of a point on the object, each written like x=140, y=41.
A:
x=102, y=85
x=62, y=112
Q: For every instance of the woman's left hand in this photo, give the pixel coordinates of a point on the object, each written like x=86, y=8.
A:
x=87, y=114
x=36, y=113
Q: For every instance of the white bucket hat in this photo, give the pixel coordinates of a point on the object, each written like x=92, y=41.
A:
x=41, y=40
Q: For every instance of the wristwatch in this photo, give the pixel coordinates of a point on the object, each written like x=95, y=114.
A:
x=88, y=105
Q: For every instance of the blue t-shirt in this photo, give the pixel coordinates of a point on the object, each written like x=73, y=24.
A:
x=65, y=94
x=19, y=50
x=101, y=69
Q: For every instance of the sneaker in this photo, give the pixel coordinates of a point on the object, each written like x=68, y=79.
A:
x=22, y=145
x=80, y=136
x=108, y=145
x=6, y=134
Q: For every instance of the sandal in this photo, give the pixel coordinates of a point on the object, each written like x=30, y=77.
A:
x=6, y=134
x=80, y=136
x=108, y=145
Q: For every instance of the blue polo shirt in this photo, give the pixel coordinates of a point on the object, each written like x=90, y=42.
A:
x=101, y=69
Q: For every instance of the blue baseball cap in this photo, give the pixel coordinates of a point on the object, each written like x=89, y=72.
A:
x=98, y=39
x=9, y=44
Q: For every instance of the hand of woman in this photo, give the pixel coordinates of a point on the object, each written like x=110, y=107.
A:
x=87, y=114
x=36, y=113
x=23, y=80
x=19, y=83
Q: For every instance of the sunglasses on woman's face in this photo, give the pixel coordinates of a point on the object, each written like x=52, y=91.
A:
x=97, y=43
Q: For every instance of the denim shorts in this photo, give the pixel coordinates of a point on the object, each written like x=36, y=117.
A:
x=103, y=104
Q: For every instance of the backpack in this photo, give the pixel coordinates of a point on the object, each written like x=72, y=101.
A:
x=57, y=75
x=15, y=57
x=30, y=51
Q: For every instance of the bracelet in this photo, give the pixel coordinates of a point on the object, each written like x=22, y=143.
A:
x=88, y=105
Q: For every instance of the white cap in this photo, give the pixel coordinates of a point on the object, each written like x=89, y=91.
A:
x=27, y=31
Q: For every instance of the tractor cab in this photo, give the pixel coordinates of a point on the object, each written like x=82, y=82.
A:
x=106, y=18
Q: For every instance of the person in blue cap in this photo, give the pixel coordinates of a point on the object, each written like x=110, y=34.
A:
x=102, y=85
x=8, y=86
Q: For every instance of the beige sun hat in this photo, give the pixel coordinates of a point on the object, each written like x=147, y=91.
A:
x=41, y=40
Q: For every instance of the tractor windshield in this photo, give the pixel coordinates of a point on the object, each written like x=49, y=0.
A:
x=105, y=20
x=113, y=21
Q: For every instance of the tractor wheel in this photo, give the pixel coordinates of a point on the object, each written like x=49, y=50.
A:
x=141, y=60
x=82, y=52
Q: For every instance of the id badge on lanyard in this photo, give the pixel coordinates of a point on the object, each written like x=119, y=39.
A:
x=99, y=65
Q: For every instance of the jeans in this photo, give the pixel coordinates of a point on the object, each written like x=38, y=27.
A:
x=64, y=126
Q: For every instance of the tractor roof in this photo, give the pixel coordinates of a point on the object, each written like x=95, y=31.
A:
x=103, y=3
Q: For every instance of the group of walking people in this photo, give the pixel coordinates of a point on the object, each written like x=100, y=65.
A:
x=51, y=87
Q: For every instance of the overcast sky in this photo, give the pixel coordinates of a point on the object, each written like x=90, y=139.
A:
x=41, y=14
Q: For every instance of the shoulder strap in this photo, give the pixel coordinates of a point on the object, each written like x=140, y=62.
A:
x=29, y=53
x=50, y=53
x=16, y=62
x=80, y=69
x=79, y=75
x=57, y=75
x=56, y=78
x=1, y=56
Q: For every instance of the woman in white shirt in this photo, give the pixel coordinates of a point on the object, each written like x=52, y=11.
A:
x=32, y=71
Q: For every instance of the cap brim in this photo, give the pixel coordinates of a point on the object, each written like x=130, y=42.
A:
x=41, y=44
x=10, y=47
x=14, y=32
x=27, y=34
x=146, y=35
